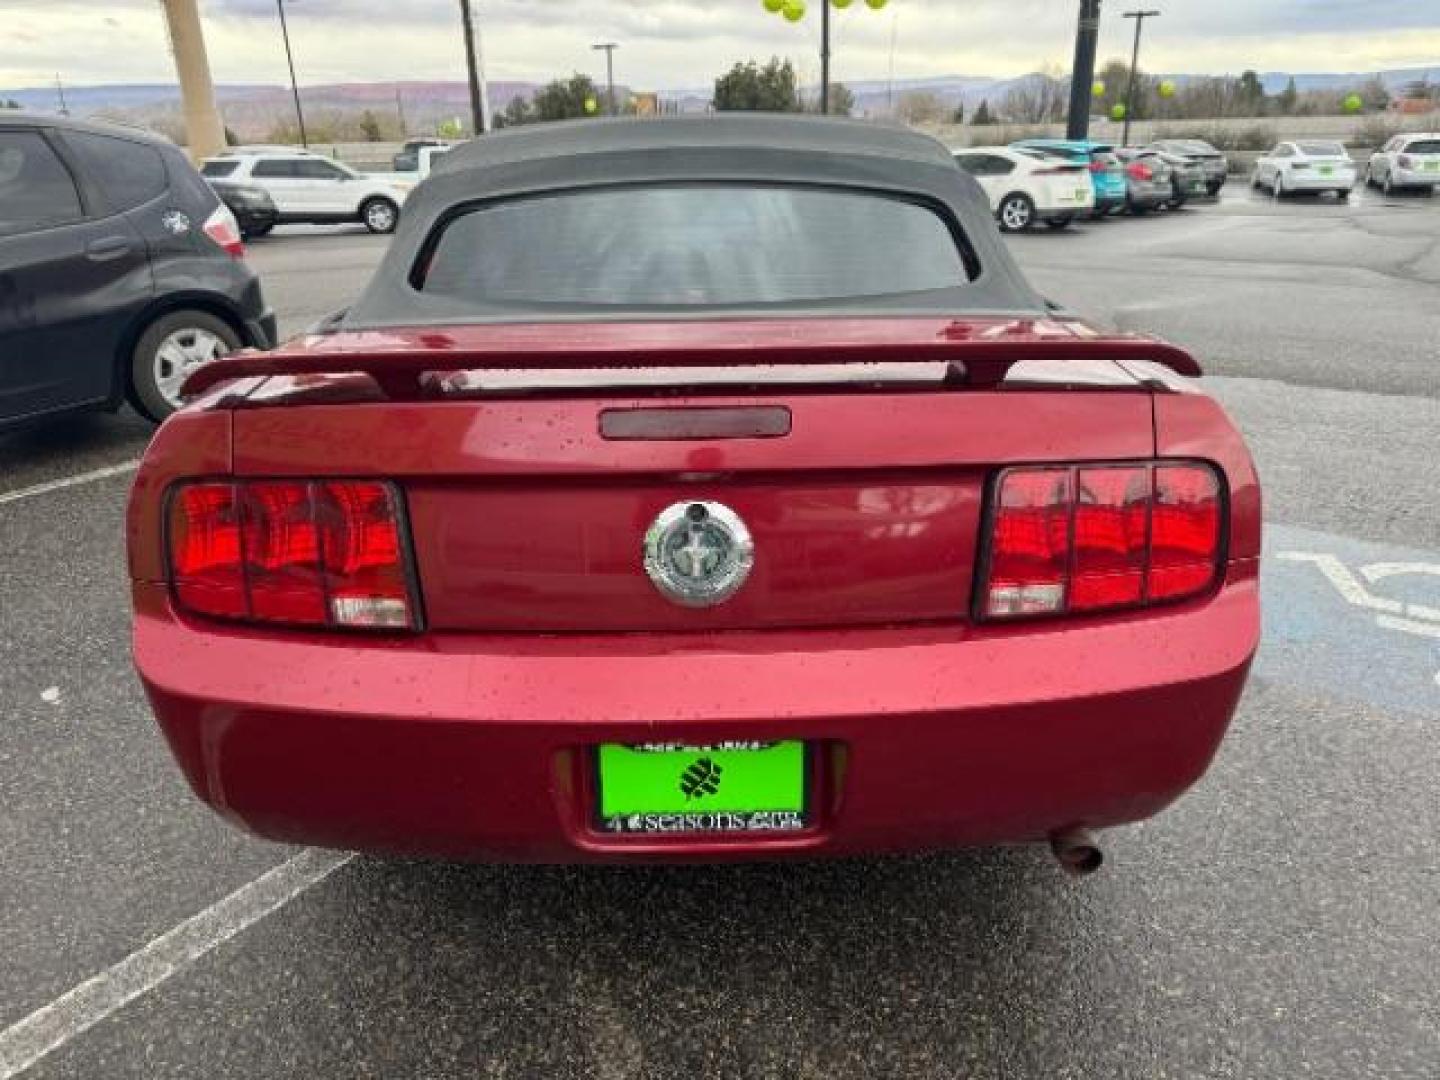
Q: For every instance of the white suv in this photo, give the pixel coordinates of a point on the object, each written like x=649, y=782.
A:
x=309, y=188
x=1406, y=161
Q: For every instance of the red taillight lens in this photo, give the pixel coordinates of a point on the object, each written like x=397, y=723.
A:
x=222, y=228
x=1030, y=554
x=1094, y=538
x=301, y=553
x=282, y=554
x=1138, y=170
x=1110, y=512
x=1184, y=531
x=1097, y=166
x=205, y=561
x=364, y=555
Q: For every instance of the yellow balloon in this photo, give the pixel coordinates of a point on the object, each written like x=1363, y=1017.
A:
x=876, y=5
x=1117, y=113
x=794, y=10
x=1098, y=89
x=842, y=4
x=1167, y=89
x=591, y=105
x=774, y=6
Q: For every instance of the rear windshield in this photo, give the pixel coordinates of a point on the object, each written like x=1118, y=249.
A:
x=218, y=169
x=693, y=247
x=1321, y=149
x=1424, y=146
x=1059, y=153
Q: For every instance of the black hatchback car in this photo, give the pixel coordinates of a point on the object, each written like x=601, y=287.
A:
x=120, y=271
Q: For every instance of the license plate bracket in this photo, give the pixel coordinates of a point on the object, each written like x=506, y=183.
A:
x=735, y=787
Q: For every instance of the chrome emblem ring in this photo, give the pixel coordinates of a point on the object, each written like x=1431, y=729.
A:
x=698, y=554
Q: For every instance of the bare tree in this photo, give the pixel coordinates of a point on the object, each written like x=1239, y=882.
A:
x=920, y=107
x=1040, y=98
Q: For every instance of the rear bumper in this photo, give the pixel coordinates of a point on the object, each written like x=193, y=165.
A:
x=1340, y=179
x=481, y=748
x=1415, y=178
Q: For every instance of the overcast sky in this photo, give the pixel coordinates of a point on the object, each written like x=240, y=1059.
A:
x=672, y=44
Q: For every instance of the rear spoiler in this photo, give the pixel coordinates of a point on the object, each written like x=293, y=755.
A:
x=432, y=363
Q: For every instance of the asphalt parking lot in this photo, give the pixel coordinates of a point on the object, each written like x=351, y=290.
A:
x=1279, y=922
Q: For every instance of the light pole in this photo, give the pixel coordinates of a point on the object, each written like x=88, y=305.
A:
x=1139, y=17
x=472, y=68
x=824, y=57
x=204, y=132
x=1082, y=77
x=294, y=86
x=609, y=48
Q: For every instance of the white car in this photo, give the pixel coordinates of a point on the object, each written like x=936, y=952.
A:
x=312, y=189
x=1026, y=186
x=1406, y=161
x=1306, y=165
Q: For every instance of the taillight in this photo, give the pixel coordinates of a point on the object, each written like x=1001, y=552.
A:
x=1097, y=166
x=1076, y=539
x=1138, y=170
x=222, y=228
x=293, y=552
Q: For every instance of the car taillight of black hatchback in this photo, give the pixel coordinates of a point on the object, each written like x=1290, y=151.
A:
x=305, y=553
x=1076, y=539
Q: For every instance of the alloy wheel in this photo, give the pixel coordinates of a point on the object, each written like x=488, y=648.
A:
x=180, y=354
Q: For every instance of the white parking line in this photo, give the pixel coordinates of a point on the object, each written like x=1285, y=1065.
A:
x=69, y=481
x=52, y=1026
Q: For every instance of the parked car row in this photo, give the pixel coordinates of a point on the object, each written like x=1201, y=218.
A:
x=1032, y=181
x=1056, y=180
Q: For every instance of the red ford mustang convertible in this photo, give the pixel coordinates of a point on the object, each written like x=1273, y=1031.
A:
x=688, y=490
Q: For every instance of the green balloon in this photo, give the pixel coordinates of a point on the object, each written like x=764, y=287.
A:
x=1117, y=112
x=774, y=6
x=1354, y=103
x=1098, y=89
x=794, y=10
x=842, y=4
x=1167, y=89
x=876, y=5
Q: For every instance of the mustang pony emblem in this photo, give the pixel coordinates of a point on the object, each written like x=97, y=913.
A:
x=698, y=553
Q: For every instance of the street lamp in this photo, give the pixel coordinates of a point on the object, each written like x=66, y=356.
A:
x=1139, y=17
x=294, y=86
x=794, y=11
x=609, y=48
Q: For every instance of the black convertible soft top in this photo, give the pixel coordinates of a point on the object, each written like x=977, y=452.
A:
x=587, y=155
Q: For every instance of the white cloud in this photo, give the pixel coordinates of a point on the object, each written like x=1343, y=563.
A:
x=670, y=44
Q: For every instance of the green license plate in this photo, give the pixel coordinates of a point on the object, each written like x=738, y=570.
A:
x=1327, y=170
x=724, y=788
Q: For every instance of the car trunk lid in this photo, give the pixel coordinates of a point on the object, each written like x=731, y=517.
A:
x=529, y=503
